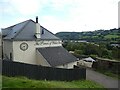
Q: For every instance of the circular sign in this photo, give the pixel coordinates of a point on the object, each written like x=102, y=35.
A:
x=23, y=46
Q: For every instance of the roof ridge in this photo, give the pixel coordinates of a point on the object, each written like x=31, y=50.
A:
x=21, y=28
x=16, y=24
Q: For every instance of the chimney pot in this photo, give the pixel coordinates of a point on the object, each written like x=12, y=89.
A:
x=36, y=19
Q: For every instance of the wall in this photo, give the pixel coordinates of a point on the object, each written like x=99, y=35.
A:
x=0, y=45
x=84, y=63
x=7, y=49
x=0, y=38
x=88, y=64
x=28, y=56
x=68, y=66
x=0, y=52
x=41, y=60
x=48, y=43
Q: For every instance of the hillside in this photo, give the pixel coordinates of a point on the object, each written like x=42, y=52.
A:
x=112, y=35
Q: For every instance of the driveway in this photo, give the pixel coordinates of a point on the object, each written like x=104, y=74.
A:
x=104, y=80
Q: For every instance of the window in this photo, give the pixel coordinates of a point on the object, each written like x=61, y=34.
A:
x=11, y=56
x=77, y=63
x=42, y=31
x=65, y=65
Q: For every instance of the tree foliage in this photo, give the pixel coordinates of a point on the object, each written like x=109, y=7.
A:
x=92, y=36
x=103, y=50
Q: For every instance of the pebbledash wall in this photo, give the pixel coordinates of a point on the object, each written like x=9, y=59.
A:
x=30, y=55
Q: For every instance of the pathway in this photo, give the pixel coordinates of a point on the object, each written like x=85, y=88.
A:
x=104, y=80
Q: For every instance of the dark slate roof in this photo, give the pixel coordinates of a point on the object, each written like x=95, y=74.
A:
x=56, y=56
x=26, y=31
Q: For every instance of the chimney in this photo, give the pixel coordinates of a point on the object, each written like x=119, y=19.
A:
x=36, y=19
x=38, y=31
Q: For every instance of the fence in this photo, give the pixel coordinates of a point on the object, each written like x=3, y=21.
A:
x=10, y=68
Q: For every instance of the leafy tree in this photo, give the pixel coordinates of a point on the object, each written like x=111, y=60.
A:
x=80, y=52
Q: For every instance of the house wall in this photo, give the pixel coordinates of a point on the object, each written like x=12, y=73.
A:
x=27, y=56
x=7, y=49
x=88, y=64
x=0, y=39
x=41, y=60
x=84, y=63
x=0, y=45
x=48, y=43
x=68, y=66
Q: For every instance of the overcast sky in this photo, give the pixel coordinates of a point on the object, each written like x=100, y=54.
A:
x=61, y=15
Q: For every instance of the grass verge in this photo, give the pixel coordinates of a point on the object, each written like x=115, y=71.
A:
x=108, y=73
x=23, y=82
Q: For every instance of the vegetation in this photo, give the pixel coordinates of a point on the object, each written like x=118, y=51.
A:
x=112, y=35
x=23, y=82
x=103, y=50
x=99, y=43
x=95, y=44
x=108, y=73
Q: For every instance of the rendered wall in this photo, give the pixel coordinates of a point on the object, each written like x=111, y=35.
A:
x=68, y=66
x=41, y=60
x=30, y=55
x=27, y=56
x=7, y=49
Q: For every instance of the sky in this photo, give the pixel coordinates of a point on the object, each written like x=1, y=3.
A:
x=62, y=15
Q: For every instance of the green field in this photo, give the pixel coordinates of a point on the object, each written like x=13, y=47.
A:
x=111, y=36
x=23, y=82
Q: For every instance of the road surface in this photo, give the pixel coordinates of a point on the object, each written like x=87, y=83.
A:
x=102, y=79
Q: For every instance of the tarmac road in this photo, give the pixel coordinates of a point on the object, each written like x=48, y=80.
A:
x=102, y=79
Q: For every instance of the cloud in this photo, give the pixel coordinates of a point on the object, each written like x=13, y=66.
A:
x=26, y=7
x=63, y=15
x=85, y=16
x=23, y=7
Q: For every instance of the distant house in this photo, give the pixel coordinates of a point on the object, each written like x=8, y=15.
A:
x=89, y=59
x=29, y=42
x=115, y=45
x=87, y=62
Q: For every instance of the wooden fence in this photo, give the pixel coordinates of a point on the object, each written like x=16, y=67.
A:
x=10, y=68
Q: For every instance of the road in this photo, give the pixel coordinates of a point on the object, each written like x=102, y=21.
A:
x=104, y=80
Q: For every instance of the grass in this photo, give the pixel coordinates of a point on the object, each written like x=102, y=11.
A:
x=116, y=76
x=108, y=73
x=111, y=36
x=23, y=82
x=0, y=81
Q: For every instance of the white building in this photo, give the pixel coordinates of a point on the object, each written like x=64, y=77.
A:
x=31, y=43
x=87, y=62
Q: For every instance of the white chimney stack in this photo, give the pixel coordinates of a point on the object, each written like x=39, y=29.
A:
x=38, y=31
